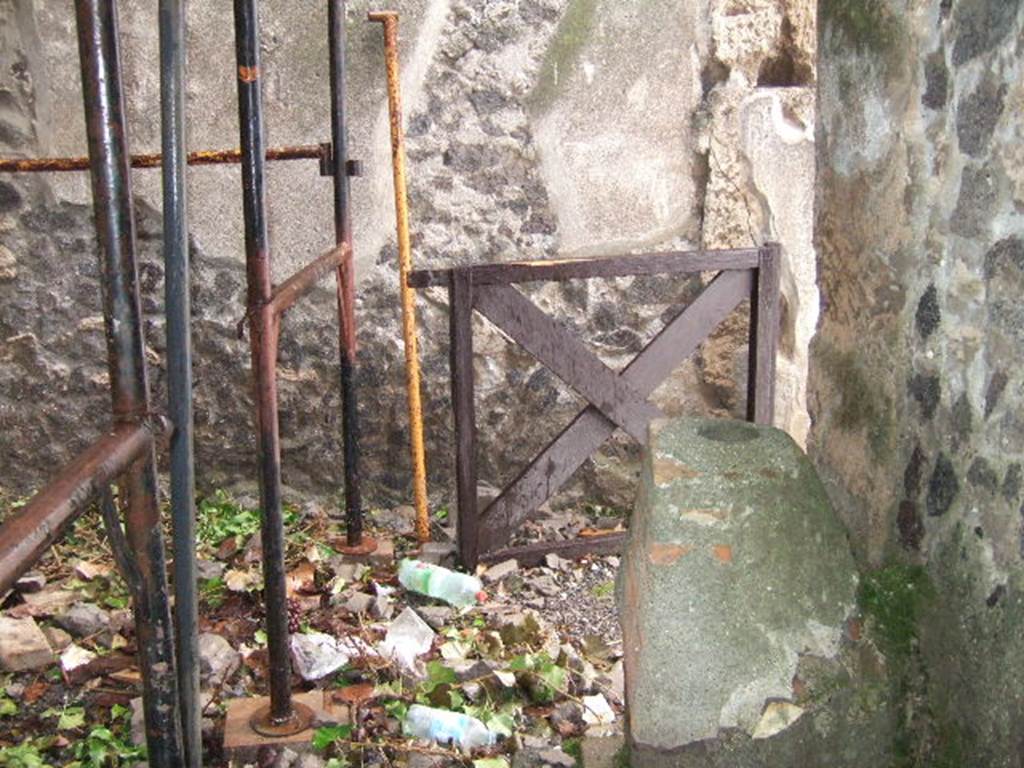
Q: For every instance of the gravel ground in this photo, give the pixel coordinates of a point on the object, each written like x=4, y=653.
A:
x=578, y=597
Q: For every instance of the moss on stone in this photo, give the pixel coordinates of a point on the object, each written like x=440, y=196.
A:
x=868, y=26
x=950, y=751
x=822, y=679
x=862, y=405
x=574, y=30
x=892, y=598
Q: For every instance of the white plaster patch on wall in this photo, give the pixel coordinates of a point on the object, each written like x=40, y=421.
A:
x=614, y=145
x=780, y=154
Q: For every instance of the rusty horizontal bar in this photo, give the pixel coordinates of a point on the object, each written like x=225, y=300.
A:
x=668, y=263
x=27, y=534
x=530, y=555
x=155, y=160
x=292, y=289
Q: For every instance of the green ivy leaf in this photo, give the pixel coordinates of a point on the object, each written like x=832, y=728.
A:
x=7, y=707
x=328, y=735
x=554, y=676
x=523, y=663
x=490, y=762
x=22, y=756
x=456, y=700
x=438, y=674
x=503, y=724
x=396, y=708
x=71, y=718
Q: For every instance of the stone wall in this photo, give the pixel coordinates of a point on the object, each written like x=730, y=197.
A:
x=536, y=129
x=916, y=387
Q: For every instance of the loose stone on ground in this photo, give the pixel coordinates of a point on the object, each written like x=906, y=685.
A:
x=23, y=645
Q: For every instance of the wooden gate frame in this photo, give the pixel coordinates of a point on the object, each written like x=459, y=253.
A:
x=617, y=399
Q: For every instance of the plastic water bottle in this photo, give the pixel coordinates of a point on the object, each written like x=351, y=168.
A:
x=455, y=588
x=446, y=727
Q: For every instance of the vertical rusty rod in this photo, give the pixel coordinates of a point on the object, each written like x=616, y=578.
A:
x=115, y=230
x=346, y=275
x=412, y=363
x=178, y=311
x=263, y=336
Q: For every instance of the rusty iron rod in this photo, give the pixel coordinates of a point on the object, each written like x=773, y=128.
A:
x=155, y=160
x=412, y=363
x=283, y=715
x=106, y=131
x=348, y=369
x=296, y=286
x=44, y=520
x=123, y=558
x=178, y=313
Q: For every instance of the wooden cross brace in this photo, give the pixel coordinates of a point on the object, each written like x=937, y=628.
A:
x=617, y=400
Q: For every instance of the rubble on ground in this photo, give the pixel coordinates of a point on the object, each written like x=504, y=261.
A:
x=538, y=663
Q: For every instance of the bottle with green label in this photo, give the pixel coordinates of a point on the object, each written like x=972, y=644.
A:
x=458, y=589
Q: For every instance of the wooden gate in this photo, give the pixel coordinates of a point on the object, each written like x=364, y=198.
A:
x=617, y=399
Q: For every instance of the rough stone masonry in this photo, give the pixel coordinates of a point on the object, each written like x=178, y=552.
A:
x=536, y=129
x=917, y=387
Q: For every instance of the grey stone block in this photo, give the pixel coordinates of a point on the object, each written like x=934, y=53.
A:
x=736, y=569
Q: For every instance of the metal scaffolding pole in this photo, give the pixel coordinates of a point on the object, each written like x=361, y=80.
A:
x=115, y=229
x=178, y=312
x=283, y=716
x=346, y=277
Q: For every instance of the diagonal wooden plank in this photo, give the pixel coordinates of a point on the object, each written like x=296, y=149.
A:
x=585, y=434
x=568, y=358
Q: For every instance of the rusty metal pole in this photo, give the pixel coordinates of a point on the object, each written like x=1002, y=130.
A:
x=345, y=279
x=31, y=530
x=321, y=152
x=283, y=716
x=412, y=362
x=178, y=311
x=115, y=230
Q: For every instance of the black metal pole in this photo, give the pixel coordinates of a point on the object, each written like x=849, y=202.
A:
x=178, y=311
x=346, y=275
x=115, y=230
x=283, y=715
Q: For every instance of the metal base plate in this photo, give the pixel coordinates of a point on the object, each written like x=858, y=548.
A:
x=365, y=547
x=242, y=743
x=265, y=725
